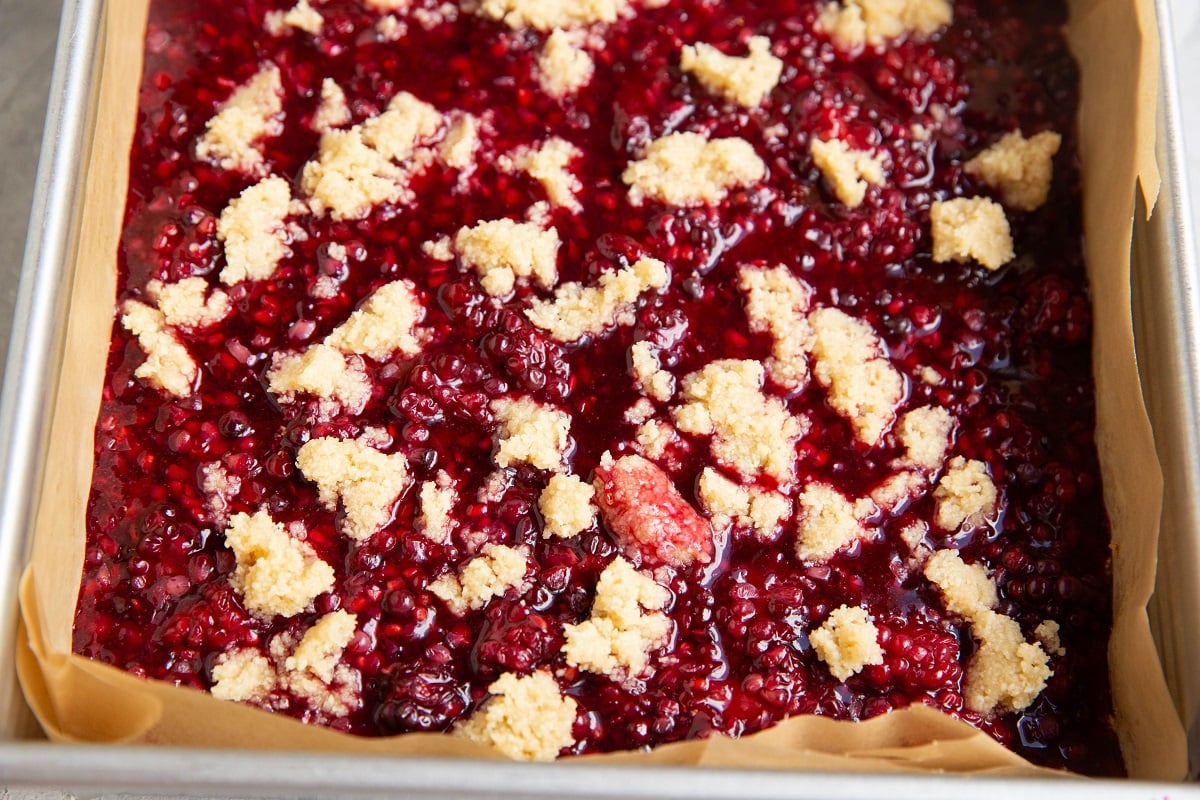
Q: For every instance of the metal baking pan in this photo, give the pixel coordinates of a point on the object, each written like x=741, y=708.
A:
x=1167, y=309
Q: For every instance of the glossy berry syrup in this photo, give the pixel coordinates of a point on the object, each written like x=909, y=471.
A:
x=1006, y=352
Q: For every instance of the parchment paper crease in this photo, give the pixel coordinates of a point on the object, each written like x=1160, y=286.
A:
x=76, y=699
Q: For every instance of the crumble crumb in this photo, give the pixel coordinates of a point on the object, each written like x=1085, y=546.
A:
x=322, y=371
x=567, y=506
x=526, y=718
x=727, y=502
x=964, y=494
x=854, y=23
x=825, y=523
x=354, y=169
x=745, y=80
x=243, y=675
x=275, y=573
x=1006, y=673
x=1020, y=169
x=501, y=251
x=489, y=575
x=168, y=366
x=530, y=432
x=777, y=302
x=625, y=624
x=301, y=16
x=253, y=112
x=891, y=492
x=966, y=588
x=641, y=410
x=252, y=230
x=220, y=489
x=847, y=641
x=1047, y=635
x=848, y=171
x=685, y=169
x=577, y=311
x=439, y=249
x=335, y=697
x=563, y=67
x=437, y=501
x=850, y=361
x=385, y=6
x=925, y=434
x=751, y=432
x=385, y=324
x=461, y=143
x=971, y=228
x=333, y=111
x=184, y=305
x=548, y=166
x=367, y=481
x=323, y=644
x=391, y=29
x=913, y=536
x=651, y=379
x=546, y=15
x=653, y=437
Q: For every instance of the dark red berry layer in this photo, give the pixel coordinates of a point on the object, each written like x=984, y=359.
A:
x=1011, y=347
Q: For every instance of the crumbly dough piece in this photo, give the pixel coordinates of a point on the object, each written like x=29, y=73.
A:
x=854, y=23
x=745, y=80
x=685, y=169
x=275, y=573
x=848, y=171
x=527, y=718
x=847, y=641
x=496, y=570
x=366, y=481
x=232, y=138
x=971, y=228
x=1020, y=169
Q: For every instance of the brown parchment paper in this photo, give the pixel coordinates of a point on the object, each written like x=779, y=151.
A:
x=76, y=699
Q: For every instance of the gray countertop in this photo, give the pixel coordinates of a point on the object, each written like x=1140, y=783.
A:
x=27, y=37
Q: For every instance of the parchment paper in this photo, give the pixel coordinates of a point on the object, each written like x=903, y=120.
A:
x=76, y=699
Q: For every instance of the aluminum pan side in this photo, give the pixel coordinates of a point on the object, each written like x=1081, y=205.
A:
x=39, y=318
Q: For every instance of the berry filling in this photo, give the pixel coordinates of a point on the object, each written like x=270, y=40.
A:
x=673, y=372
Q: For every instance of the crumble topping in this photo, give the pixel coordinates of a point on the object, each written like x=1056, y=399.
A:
x=964, y=494
x=275, y=574
x=322, y=371
x=531, y=433
x=183, y=303
x=893, y=491
x=751, y=432
x=334, y=112
x=548, y=166
x=653, y=437
x=220, y=488
x=526, y=718
x=971, y=228
x=366, y=481
x=966, y=588
x=567, y=506
x=385, y=324
x=321, y=648
x=624, y=626
x=252, y=230
x=564, y=67
x=577, y=311
x=244, y=675
x=925, y=434
x=826, y=522
x=854, y=23
x=501, y=251
x=1020, y=169
x=498, y=569
x=1047, y=635
x=253, y=112
x=437, y=497
x=546, y=15
x=168, y=365
x=301, y=16
x=652, y=380
x=685, y=169
x=745, y=80
x=847, y=641
x=1006, y=673
x=848, y=171
x=355, y=171
x=850, y=361
x=777, y=302
x=461, y=142
x=729, y=502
